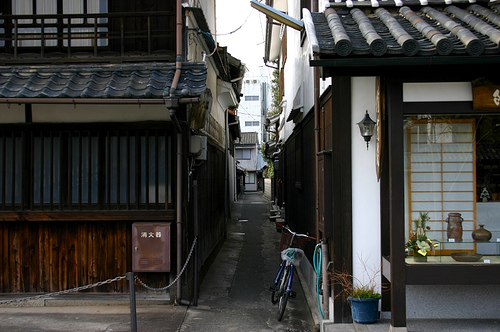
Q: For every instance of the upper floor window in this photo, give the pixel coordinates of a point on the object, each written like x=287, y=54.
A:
x=251, y=123
x=80, y=30
x=242, y=154
x=251, y=98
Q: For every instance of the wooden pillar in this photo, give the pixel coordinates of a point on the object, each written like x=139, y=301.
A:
x=396, y=203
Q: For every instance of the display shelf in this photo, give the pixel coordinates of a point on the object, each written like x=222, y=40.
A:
x=488, y=250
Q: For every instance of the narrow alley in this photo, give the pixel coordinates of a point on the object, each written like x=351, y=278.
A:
x=235, y=295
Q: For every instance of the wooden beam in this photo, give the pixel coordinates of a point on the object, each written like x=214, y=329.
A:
x=136, y=215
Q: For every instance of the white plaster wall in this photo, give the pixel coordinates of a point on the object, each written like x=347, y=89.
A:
x=365, y=187
x=437, y=91
x=98, y=113
x=297, y=70
x=12, y=113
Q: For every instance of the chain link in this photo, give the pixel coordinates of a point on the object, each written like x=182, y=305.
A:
x=176, y=278
x=108, y=281
x=76, y=289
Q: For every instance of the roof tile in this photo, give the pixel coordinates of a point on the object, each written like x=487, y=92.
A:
x=388, y=28
x=136, y=81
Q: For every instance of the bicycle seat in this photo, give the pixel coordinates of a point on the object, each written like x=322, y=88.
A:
x=292, y=255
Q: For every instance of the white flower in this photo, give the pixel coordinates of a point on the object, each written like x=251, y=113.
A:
x=424, y=247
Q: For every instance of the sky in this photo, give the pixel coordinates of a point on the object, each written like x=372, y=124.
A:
x=242, y=29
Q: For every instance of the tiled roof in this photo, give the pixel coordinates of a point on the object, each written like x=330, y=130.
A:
x=135, y=81
x=405, y=28
x=249, y=138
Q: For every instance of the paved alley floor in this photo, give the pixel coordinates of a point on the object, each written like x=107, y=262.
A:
x=235, y=295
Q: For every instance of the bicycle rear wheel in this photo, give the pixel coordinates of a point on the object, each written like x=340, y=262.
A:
x=283, y=294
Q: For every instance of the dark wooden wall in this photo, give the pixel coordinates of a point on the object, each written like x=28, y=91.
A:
x=51, y=256
x=299, y=173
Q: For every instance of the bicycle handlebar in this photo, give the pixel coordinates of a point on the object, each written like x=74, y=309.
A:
x=295, y=233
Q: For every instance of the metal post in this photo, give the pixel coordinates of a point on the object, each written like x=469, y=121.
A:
x=133, y=314
x=196, y=234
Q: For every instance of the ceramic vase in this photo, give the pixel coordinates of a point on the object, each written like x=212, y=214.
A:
x=481, y=234
x=454, y=230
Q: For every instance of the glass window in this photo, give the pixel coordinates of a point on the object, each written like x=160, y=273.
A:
x=242, y=154
x=250, y=178
x=453, y=178
x=84, y=169
x=251, y=98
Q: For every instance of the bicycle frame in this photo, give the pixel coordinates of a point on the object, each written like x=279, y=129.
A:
x=282, y=286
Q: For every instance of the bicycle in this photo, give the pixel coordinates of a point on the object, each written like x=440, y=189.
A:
x=291, y=256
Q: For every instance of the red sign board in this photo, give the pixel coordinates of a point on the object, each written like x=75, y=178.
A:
x=151, y=247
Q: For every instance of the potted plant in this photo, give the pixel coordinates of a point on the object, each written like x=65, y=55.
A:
x=364, y=297
x=419, y=244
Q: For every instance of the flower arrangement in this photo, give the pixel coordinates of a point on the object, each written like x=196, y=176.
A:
x=419, y=243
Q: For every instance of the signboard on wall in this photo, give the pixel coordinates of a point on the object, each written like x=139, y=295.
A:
x=486, y=98
x=151, y=247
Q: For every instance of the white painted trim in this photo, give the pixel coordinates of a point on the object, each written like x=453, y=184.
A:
x=437, y=92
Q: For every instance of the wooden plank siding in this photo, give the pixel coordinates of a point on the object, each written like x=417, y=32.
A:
x=53, y=256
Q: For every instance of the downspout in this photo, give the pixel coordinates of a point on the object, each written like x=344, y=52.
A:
x=173, y=108
x=317, y=137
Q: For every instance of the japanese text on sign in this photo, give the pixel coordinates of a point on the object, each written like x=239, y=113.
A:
x=150, y=234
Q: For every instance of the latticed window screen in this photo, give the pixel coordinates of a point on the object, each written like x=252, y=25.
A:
x=84, y=169
x=441, y=173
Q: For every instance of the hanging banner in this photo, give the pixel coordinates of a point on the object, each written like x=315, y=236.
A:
x=486, y=98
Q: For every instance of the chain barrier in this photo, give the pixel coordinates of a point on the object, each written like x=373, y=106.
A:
x=76, y=289
x=100, y=283
x=176, y=278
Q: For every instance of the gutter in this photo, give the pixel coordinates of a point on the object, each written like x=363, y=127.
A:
x=107, y=101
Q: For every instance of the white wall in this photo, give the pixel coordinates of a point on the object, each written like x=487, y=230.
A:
x=365, y=187
x=98, y=113
x=12, y=113
x=297, y=71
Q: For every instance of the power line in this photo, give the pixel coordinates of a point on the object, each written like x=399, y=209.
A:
x=238, y=28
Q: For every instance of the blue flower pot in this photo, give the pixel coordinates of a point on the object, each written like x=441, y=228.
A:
x=364, y=311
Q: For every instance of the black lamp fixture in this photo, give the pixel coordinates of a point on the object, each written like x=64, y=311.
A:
x=366, y=127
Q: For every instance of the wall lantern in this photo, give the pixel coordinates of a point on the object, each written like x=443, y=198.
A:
x=366, y=127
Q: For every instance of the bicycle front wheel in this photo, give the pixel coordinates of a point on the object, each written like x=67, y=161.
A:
x=280, y=286
x=283, y=294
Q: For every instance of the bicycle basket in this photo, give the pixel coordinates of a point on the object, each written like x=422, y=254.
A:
x=292, y=255
x=298, y=241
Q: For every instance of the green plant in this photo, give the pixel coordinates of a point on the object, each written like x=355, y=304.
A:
x=269, y=173
x=354, y=287
x=275, y=93
x=419, y=242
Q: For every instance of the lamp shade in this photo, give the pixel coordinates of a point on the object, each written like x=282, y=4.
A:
x=366, y=127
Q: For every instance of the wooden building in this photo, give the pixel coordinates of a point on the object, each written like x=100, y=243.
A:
x=107, y=117
x=426, y=72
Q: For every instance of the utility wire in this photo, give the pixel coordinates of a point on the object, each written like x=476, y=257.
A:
x=238, y=28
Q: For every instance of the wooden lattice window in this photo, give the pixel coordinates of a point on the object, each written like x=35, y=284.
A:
x=441, y=174
x=84, y=169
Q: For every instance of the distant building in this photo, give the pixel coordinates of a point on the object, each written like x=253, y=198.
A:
x=247, y=155
x=254, y=104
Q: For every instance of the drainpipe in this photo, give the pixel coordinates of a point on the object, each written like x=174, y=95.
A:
x=173, y=108
x=317, y=137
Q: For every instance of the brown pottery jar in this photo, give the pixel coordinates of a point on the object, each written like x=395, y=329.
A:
x=454, y=230
x=481, y=234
